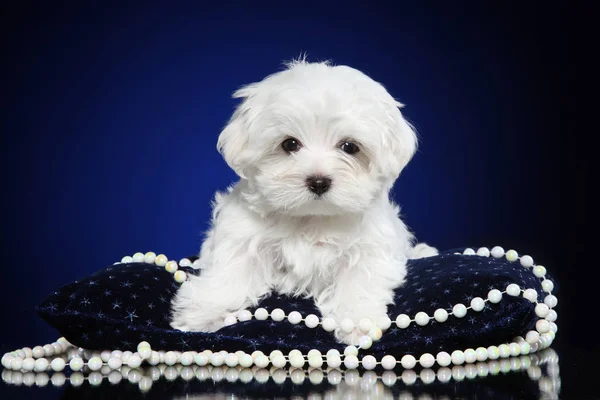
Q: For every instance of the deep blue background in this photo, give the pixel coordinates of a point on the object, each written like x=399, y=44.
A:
x=110, y=116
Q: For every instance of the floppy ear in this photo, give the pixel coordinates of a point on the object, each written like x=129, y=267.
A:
x=233, y=140
x=231, y=143
x=400, y=142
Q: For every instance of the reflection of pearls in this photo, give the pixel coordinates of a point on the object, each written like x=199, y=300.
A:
x=541, y=367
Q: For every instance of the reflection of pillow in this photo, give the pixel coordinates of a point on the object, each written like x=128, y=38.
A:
x=121, y=305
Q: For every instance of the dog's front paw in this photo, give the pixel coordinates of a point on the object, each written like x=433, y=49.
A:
x=350, y=338
x=422, y=250
x=193, y=311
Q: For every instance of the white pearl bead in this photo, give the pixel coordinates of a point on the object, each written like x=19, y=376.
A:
x=365, y=324
x=332, y=352
x=542, y=326
x=170, y=358
x=294, y=353
x=493, y=352
x=75, y=364
x=185, y=262
x=477, y=304
x=277, y=315
x=261, y=314
x=333, y=361
x=369, y=362
x=365, y=342
x=504, y=350
x=388, y=362
x=278, y=361
x=440, y=315
x=328, y=324
x=427, y=360
x=532, y=337
x=539, y=271
x=186, y=359
x=531, y=295
x=48, y=350
x=161, y=260
x=134, y=361
x=58, y=364
x=37, y=352
x=541, y=310
x=315, y=361
x=171, y=267
x=459, y=310
x=244, y=315
x=149, y=257
x=547, y=285
x=28, y=364
x=513, y=290
x=17, y=364
x=216, y=359
x=384, y=323
x=443, y=359
x=497, y=252
x=525, y=348
x=138, y=257
x=526, y=261
x=311, y=321
x=347, y=325
x=261, y=361
x=458, y=357
x=552, y=316
x=402, y=321
x=294, y=317
x=351, y=362
x=230, y=320
x=468, y=252
x=350, y=351
x=512, y=255
x=483, y=252
x=481, y=353
x=422, y=318
x=551, y=301
x=494, y=296
x=126, y=260
x=180, y=276
x=470, y=356
x=114, y=363
x=94, y=363
x=514, y=348
x=245, y=360
x=375, y=333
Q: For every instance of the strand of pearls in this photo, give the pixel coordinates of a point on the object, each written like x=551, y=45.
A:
x=144, y=378
x=77, y=358
x=373, y=330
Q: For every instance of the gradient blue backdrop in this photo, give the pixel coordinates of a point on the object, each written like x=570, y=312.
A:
x=111, y=113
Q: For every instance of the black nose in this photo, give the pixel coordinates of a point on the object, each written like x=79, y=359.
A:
x=318, y=184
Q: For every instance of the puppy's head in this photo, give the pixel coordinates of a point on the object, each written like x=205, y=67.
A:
x=317, y=139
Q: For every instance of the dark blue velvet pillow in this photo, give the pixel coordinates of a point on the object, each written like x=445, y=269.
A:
x=123, y=304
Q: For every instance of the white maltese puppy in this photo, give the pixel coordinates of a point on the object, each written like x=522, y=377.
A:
x=317, y=149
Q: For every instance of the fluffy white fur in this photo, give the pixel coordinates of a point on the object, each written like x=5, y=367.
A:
x=346, y=249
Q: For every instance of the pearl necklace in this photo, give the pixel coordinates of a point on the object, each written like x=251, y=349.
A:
x=549, y=383
x=540, y=338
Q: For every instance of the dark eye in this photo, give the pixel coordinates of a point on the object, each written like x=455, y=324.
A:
x=349, y=147
x=291, y=145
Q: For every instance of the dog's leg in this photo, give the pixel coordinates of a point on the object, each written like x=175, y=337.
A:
x=203, y=302
x=362, y=293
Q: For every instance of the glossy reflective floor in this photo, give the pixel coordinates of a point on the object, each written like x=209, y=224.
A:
x=535, y=376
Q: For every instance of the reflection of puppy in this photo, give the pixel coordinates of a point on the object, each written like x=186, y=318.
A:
x=317, y=148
